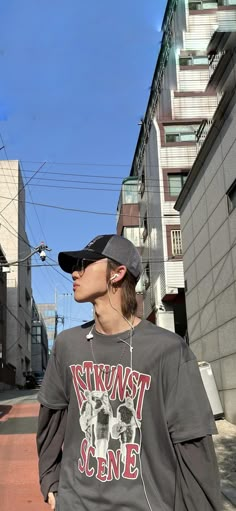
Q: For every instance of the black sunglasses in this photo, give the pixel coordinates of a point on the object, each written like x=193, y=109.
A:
x=82, y=264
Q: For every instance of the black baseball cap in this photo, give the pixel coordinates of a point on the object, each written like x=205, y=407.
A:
x=112, y=246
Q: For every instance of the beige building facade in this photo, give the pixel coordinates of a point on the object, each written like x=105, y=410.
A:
x=14, y=242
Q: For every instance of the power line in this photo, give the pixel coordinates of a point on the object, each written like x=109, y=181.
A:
x=51, y=206
x=18, y=236
x=21, y=189
x=121, y=178
x=40, y=225
x=80, y=164
x=90, y=188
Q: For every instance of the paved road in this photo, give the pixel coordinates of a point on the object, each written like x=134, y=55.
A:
x=19, y=487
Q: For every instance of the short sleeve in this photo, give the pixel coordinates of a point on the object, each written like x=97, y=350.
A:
x=52, y=393
x=188, y=410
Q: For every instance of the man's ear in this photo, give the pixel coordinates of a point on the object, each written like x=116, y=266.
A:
x=118, y=274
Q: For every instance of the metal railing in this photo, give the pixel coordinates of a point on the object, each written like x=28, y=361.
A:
x=214, y=61
x=203, y=132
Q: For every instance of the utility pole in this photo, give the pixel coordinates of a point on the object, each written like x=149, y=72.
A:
x=58, y=319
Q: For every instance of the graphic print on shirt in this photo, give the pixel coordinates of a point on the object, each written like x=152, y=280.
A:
x=110, y=403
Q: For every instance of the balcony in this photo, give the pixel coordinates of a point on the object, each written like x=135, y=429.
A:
x=203, y=132
x=220, y=61
x=214, y=61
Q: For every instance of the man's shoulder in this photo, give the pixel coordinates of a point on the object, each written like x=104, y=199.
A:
x=74, y=334
x=168, y=342
x=161, y=333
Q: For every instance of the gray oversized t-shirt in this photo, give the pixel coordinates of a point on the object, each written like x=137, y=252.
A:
x=123, y=421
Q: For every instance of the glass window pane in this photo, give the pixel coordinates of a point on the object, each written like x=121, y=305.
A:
x=200, y=60
x=175, y=184
x=188, y=137
x=130, y=194
x=172, y=137
x=185, y=61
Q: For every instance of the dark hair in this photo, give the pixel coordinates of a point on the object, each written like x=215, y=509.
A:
x=127, y=285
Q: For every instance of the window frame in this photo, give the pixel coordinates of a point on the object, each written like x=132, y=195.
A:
x=165, y=174
x=183, y=176
x=179, y=132
x=202, y=3
x=169, y=229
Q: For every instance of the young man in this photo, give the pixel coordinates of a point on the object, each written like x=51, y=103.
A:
x=123, y=371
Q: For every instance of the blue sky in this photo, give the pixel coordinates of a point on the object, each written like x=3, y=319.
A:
x=74, y=82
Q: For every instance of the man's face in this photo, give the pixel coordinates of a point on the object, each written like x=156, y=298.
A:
x=90, y=281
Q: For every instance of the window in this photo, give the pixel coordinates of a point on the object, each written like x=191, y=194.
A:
x=27, y=299
x=28, y=336
x=36, y=334
x=198, y=5
x=142, y=182
x=146, y=276
x=129, y=191
x=193, y=60
x=184, y=133
x=176, y=183
x=231, y=196
x=227, y=2
x=176, y=243
x=145, y=228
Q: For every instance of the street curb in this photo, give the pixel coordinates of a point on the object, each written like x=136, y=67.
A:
x=229, y=490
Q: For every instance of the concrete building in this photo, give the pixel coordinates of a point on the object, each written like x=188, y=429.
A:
x=15, y=244
x=7, y=373
x=166, y=149
x=207, y=206
x=128, y=224
x=49, y=314
x=39, y=341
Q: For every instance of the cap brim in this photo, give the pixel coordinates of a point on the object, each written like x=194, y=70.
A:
x=67, y=260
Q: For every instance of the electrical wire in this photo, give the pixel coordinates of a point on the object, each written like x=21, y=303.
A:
x=89, y=211
x=21, y=189
x=121, y=178
x=90, y=188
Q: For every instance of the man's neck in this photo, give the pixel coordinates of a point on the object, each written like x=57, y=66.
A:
x=111, y=322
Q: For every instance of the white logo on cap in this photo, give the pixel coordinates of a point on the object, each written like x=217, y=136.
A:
x=93, y=241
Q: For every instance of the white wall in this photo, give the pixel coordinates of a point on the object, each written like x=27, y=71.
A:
x=12, y=234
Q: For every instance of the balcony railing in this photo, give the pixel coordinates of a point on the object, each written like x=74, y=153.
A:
x=203, y=132
x=214, y=61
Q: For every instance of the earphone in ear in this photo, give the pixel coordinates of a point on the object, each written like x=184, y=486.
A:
x=114, y=276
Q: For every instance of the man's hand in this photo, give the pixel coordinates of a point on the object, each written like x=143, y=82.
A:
x=51, y=500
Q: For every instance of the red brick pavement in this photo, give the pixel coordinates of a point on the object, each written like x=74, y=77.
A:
x=19, y=486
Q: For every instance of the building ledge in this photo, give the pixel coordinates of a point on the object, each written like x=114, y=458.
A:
x=201, y=12
x=194, y=67
x=192, y=94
